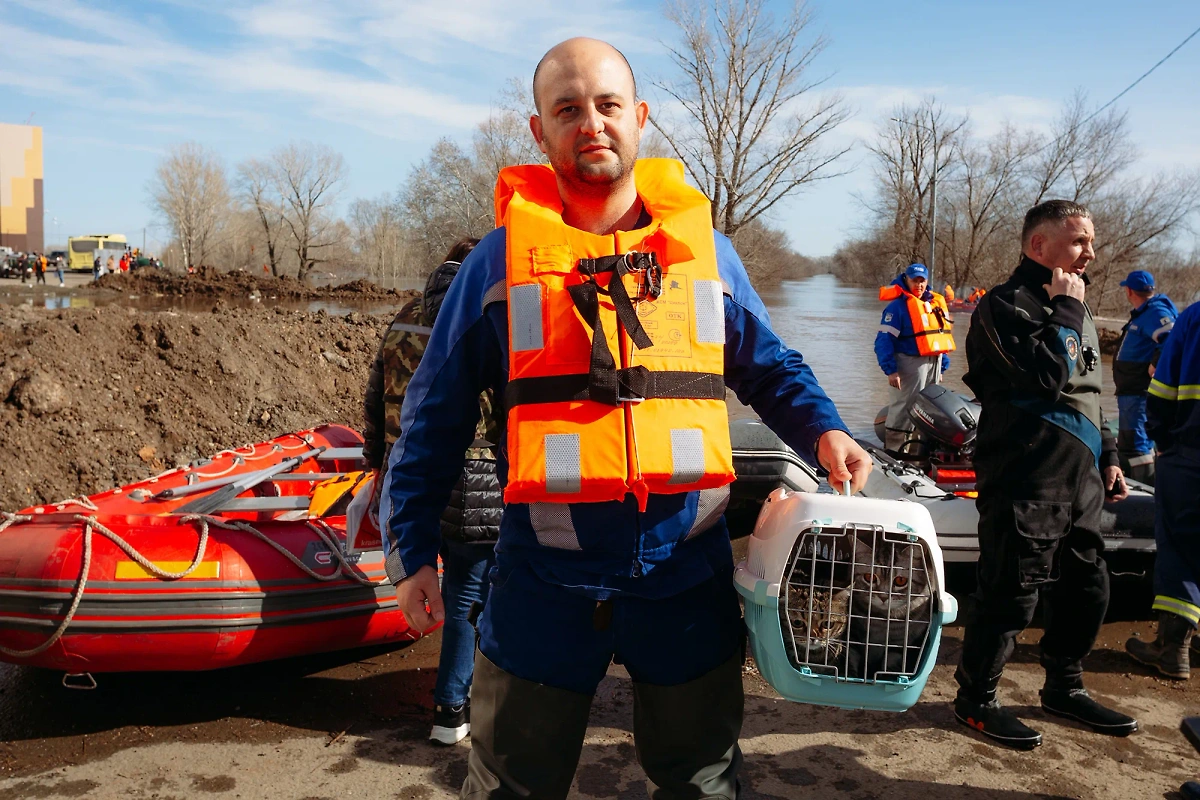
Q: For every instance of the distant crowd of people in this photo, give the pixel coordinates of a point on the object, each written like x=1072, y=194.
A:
x=33, y=266
x=130, y=259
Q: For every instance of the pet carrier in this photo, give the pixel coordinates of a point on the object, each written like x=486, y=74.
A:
x=845, y=599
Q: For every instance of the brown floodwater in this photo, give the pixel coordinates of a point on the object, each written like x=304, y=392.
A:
x=834, y=325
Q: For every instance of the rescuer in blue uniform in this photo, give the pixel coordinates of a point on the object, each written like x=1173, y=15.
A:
x=1044, y=461
x=1173, y=410
x=577, y=585
x=912, y=347
x=1142, y=338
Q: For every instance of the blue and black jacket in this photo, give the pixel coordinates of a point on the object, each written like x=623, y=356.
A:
x=598, y=549
x=1173, y=401
x=1142, y=340
x=1037, y=354
x=896, y=333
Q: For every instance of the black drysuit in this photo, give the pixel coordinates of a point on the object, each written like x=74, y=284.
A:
x=1033, y=364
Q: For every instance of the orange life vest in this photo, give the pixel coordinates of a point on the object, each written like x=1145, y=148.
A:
x=931, y=321
x=615, y=385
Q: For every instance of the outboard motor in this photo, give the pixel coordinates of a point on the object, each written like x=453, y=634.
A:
x=945, y=417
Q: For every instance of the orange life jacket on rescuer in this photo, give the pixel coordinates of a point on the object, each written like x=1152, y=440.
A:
x=616, y=345
x=931, y=321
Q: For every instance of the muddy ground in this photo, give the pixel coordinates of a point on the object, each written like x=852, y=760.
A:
x=354, y=725
x=91, y=398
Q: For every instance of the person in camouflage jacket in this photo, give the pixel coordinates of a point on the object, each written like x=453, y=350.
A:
x=470, y=524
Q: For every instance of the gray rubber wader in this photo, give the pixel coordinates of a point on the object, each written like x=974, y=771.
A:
x=525, y=737
x=687, y=735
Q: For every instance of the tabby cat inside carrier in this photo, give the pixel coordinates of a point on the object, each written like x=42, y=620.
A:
x=858, y=603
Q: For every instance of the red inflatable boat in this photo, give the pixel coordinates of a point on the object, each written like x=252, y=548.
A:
x=231, y=560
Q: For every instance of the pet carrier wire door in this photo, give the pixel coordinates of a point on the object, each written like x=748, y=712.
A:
x=845, y=599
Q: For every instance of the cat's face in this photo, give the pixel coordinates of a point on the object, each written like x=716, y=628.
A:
x=895, y=586
x=818, y=620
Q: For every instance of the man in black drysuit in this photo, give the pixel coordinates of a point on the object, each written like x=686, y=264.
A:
x=1044, y=463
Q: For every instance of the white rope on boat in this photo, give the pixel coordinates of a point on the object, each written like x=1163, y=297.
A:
x=237, y=462
x=77, y=501
x=7, y=519
x=90, y=524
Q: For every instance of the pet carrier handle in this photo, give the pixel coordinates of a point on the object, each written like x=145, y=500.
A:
x=846, y=488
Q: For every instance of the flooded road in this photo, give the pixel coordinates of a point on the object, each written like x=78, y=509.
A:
x=353, y=724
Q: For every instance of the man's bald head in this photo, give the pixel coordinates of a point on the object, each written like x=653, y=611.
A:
x=565, y=53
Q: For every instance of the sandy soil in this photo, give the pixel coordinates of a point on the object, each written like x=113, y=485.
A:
x=91, y=398
x=354, y=725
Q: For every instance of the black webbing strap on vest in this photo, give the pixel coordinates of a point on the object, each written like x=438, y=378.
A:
x=604, y=382
x=945, y=324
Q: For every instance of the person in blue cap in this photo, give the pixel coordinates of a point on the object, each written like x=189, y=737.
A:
x=1150, y=322
x=912, y=347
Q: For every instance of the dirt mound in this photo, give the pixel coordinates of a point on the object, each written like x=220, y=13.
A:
x=1109, y=339
x=210, y=282
x=96, y=398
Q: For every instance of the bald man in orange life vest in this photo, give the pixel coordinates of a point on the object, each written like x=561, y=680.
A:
x=610, y=318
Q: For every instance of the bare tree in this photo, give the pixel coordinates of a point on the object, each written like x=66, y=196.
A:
x=308, y=178
x=503, y=140
x=190, y=191
x=752, y=128
x=446, y=197
x=258, y=189
x=982, y=203
x=989, y=185
x=915, y=144
x=1083, y=155
x=379, y=238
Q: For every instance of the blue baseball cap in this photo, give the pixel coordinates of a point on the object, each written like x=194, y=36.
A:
x=915, y=271
x=1139, y=280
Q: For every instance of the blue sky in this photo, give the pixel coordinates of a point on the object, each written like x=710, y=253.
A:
x=115, y=84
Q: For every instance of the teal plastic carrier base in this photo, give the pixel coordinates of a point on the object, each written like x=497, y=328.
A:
x=805, y=686
x=785, y=518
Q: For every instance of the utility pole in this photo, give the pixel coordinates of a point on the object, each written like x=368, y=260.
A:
x=933, y=205
x=932, y=192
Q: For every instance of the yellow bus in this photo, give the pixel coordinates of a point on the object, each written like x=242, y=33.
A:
x=81, y=250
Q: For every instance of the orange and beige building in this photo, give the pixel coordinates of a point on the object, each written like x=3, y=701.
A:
x=21, y=209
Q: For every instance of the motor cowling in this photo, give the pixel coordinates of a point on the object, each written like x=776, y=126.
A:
x=945, y=416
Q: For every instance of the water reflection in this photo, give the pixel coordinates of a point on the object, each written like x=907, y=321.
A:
x=198, y=303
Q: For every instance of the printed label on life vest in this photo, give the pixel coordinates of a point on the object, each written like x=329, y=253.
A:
x=667, y=320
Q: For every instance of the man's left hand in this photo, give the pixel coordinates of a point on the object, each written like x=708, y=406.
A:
x=1115, y=487
x=1150, y=369
x=845, y=460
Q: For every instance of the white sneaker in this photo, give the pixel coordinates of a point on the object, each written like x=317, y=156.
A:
x=451, y=725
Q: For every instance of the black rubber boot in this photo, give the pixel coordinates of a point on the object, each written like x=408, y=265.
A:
x=996, y=723
x=1168, y=653
x=525, y=737
x=1078, y=705
x=687, y=735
